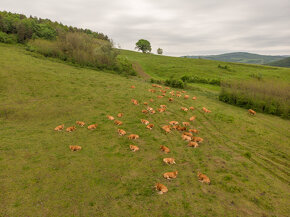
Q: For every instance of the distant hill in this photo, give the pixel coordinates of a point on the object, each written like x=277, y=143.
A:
x=241, y=57
x=281, y=63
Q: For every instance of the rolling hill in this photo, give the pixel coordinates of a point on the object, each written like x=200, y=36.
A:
x=162, y=67
x=281, y=63
x=241, y=57
x=246, y=157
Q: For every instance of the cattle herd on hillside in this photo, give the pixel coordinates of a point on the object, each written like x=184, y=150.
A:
x=187, y=134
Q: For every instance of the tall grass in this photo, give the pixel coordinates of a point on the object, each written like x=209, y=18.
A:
x=269, y=96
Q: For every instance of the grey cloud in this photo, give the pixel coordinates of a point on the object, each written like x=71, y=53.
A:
x=180, y=27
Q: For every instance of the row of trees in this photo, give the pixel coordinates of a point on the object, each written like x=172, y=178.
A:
x=25, y=28
x=145, y=47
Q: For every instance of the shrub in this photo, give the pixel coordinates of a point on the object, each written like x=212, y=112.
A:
x=174, y=83
x=152, y=80
x=9, y=39
x=84, y=50
x=124, y=66
x=226, y=67
x=196, y=79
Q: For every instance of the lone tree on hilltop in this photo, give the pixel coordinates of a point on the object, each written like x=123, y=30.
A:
x=160, y=51
x=143, y=45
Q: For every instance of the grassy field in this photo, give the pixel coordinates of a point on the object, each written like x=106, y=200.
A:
x=246, y=157
x=160, y=67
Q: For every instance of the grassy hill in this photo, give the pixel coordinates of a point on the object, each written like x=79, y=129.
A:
x=241, y=57
x=281, y=63
x=161, y=67
x=246, y=157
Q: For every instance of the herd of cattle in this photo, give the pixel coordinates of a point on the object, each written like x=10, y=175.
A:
x=188, y=135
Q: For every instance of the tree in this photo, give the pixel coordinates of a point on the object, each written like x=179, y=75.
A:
x=160, y=51
x=143, y=45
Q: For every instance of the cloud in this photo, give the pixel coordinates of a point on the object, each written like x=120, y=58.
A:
x=179, y=27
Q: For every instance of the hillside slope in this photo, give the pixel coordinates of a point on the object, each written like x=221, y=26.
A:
x=246, y=157
x=161, y=67
x=241, y=57
x=281, y=63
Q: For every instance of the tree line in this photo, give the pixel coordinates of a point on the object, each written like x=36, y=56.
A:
x=22, y=28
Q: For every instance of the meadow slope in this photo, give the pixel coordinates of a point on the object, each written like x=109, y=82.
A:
x=246, y=157
x=162, y=67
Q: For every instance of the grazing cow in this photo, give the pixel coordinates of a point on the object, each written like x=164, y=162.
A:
x=121, y=132
x=203, y=178
x=170, y=175
x=134, y=101
x=70, y=129
x=192, y=118
x=80, y=123
x=179, y=128
x=173, y=122
x=194, y=98
x=134, y=148
x=133, y=136
x=120, y=115
x=164, y=149
x=118, y=123
x=150, y=126
x=184, y=109
x=161, y=110
x=161, y=188
x=191, y=108
x=143, y=121
x=59, y=128
x=185, y=123
x=186, y=138
x=163, y=106
x=75, y=147
x=111, y=118
x=92, y=126
x=186, y=96
x=166, y=128
x=169, y=160
x=251, y=112
x=144, y=111
x=197, y=139
x=193, y=131
x=193, y=144
x=187, y=134
x=170, y=99
x=133, y=87
x=145, y=103
x=206, y=110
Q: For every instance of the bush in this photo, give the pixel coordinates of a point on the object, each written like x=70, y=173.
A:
x=175, y=83
x=196, y=79
x=263, y=96
x=152, y=80
x=9, y=39
x=84, y=50
x=124, y=66
x=226, y=67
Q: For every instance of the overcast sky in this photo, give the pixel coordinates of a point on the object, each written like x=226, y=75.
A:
x=180, y=27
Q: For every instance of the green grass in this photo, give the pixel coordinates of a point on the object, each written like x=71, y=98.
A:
x=161, y=67
x=247, y=158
